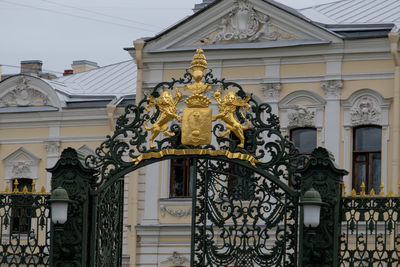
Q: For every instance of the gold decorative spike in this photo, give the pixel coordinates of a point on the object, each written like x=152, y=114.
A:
x=33, y=186
x=43, y=190
x=7, y=189
x=362, y=193
x=382, y=193
x=226, y=112
x=199, y=64
x=16, y=186
x=398, y=190
x=372, y=192
x=344, y=189
x=390, y=194
x=167, y=107
x=25, y=190
x=353, y=193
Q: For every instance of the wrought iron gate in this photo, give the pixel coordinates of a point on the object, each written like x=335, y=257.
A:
x=242, y=218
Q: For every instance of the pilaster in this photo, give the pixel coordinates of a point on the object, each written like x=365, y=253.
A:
x=53, y=149
x=333, y=90
x=272, y=95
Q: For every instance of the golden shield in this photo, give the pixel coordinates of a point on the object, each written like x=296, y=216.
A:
x=196, y=126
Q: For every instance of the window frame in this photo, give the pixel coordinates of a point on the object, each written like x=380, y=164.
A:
x=24, y=211
x=304, y=128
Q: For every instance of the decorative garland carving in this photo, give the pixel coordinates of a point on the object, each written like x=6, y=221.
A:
x=175, y=213
x=271, y=91
x=177, y=259
x=365, y=110
x=332, y=88
x=23, y=95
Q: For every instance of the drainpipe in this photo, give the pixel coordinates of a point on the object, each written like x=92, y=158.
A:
x=394, y=46
x=139, y=45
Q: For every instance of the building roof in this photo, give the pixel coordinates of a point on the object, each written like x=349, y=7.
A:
x=113, y=80
x=355, y=12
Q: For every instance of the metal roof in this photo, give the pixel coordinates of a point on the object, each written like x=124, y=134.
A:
x=113, y=80
x=355, y=12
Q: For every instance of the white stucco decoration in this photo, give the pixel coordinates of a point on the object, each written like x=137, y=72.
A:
x=21, y=164
x=302, y=109
x=366, y=107
x=177, y=259
x=23, y=90
x=244, y=23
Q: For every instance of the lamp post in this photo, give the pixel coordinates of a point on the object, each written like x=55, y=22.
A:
x=311, y=202
x=59, y=205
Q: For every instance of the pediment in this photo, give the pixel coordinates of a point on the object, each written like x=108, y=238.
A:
x=21, y=164
x=27, y=91
x=230, y=22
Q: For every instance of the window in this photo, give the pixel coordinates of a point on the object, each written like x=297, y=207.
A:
x=304, y=139
x=367, y=158
x=21, y=208
x=180, y=185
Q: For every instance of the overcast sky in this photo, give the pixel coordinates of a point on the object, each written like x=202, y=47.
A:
x=58, y=31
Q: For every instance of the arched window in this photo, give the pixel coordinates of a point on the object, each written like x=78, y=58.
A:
x=305, y=139
x=367, y=142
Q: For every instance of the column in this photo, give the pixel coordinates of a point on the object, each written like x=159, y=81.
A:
x=332, y=116
x=151, y=205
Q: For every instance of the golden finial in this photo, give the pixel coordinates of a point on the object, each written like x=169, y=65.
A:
x=43, y=190
x=398, y=192
x=199, y=61
x=362, y=193
x=353, y=193
x=7, y=189
x=390, y=194
x=25, y=190
x=344, y=189
x=16, y=186
x=33, y=186
x=372, y=192
x=381, y=193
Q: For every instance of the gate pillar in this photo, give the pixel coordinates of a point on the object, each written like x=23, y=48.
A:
x=69, y=242
x=319, y=246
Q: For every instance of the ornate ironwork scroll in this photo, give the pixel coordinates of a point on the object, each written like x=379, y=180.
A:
x=370, y=231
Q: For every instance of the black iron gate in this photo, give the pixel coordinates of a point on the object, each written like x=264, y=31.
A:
x=242, y=218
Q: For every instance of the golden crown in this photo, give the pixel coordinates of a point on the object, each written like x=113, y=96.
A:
x=197, y=101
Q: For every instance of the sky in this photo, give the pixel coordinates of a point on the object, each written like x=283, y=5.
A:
x=58, y=31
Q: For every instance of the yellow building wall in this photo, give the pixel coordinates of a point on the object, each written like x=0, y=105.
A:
x=85, y=130
x=24, y=132
x=364, y=66
x=243, y=72
x=304, y=69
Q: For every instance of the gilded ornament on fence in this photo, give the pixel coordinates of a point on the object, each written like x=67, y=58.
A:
x=167, y=106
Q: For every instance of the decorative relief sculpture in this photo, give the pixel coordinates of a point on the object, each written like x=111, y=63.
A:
x=365, y=110
x=23, y=95
x=21, y=168
x=301, y=116
x=175, y=213
x=177, y=259
x=244, y=23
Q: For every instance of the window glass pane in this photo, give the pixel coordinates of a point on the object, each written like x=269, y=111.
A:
x=361, y=172
x=304, y=139
x=376, y=172
x=368, y=139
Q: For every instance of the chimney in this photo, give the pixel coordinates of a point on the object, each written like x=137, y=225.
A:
x=68, y=72
x=205, y=3
x=31, y=66
x=83, y=65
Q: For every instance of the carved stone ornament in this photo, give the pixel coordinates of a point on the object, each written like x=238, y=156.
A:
x=244, y=23
x=21, y=168
x=175, y=213
x=301, y=116
x=23, y=95
x=332, y=88
x=366, y=110
x=177, y=259
x=271, y=92
x=52, y=147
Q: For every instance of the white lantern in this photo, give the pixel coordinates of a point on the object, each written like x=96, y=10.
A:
x=59, y=205
x=312, y=203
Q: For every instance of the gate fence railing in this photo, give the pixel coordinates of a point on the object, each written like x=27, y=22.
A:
x=24, y=226
x=370, y=229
